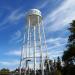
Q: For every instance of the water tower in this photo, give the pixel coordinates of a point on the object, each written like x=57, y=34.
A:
x=35, y=25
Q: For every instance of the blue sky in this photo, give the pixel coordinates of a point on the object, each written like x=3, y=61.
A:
x=57, y=14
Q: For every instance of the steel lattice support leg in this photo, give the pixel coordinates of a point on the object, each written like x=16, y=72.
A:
x=34, y=51
x=41, y=52
x=45, y=45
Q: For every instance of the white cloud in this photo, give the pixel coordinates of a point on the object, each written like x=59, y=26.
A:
x=14, y=52
x=61, y=17
x=8, y=63
x=16, y=37
x=12, y=18
x=12, y=64
x=16, y=15
x=57, y=41
x=53, y=54
x=44, y=4
x=4, y=63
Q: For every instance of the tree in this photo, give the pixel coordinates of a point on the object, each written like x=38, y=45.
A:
x=48, y=66
x=59, y=64
x=69, y=54
x=4, y=72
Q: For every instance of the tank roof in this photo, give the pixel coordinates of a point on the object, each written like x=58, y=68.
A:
x=34, y=12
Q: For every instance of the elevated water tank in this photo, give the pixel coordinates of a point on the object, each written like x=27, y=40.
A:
x=34, y=17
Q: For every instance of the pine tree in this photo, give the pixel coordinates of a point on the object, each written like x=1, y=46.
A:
x=58, y=64
x=69, y=54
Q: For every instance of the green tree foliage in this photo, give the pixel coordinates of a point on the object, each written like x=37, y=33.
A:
x=69, y=54
x=59, y=67
x=4, y=71
x=59, y=64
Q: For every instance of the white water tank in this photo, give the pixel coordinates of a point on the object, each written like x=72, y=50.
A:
x=34, y=17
